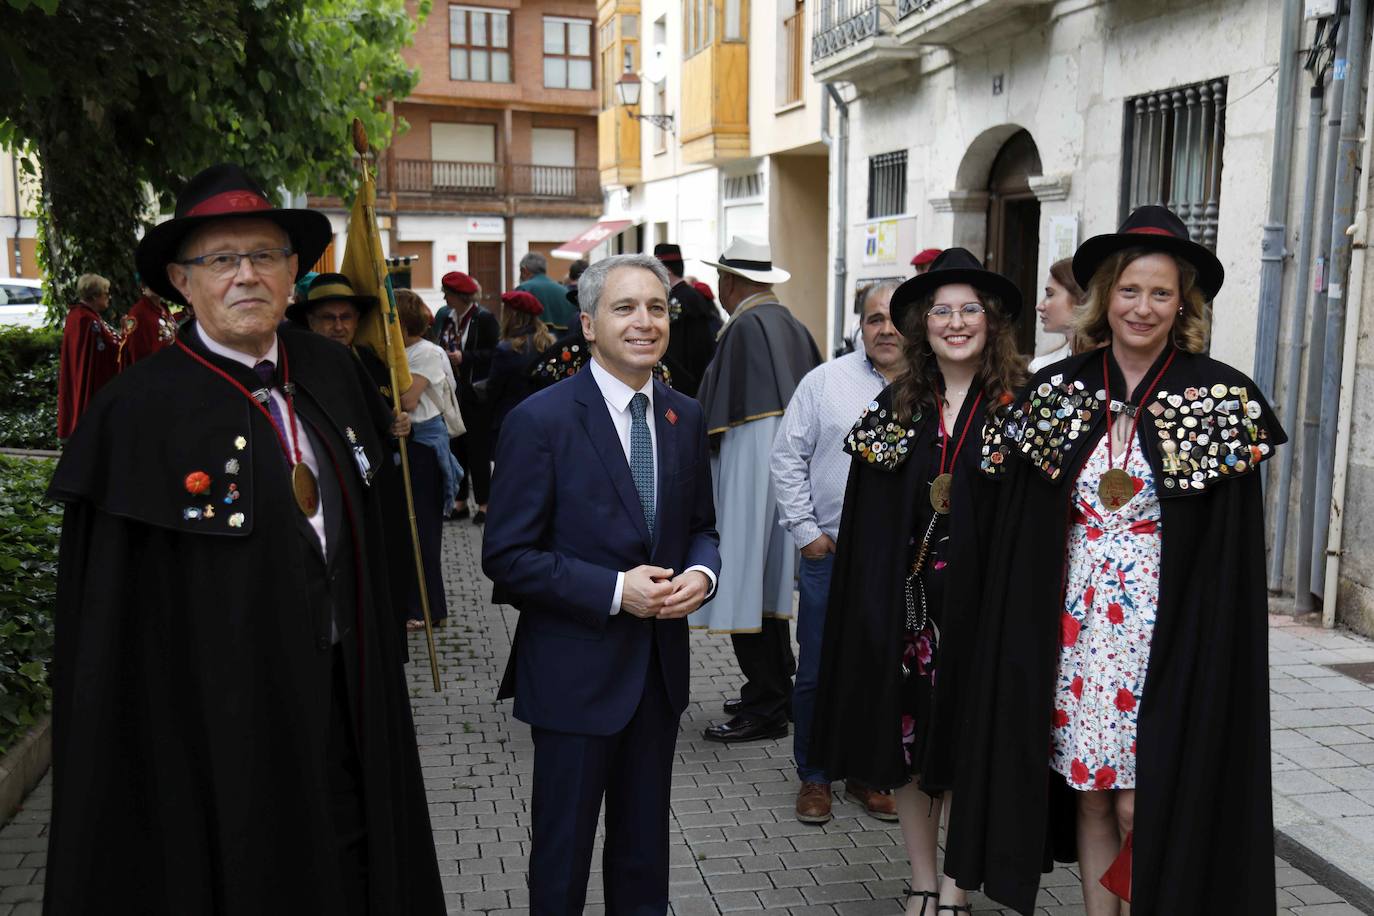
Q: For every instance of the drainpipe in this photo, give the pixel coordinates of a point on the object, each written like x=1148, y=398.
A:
x=1358, y=234
x=18, y=215
x=1316, y=336
x=841, y=209
x=1342, y=218
x=1272, y=249
x=1295, y=323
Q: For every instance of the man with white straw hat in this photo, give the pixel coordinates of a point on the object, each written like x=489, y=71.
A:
x=762, y=354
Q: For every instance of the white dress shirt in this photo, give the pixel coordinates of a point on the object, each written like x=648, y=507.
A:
x=307, y=452
x=618, y=395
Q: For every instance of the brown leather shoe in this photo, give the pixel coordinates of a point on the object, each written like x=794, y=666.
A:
x=880, y=805
x=813, y=803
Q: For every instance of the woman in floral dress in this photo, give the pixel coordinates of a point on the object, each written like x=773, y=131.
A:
x=909, y=557
x=1122, y=634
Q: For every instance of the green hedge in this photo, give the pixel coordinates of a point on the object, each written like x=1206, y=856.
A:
x=30, y=527
x=28, y=380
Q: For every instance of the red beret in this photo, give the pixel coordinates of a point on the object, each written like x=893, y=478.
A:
x=459, y=282
x=522, y=301
x=925, y=257
x=704, y=290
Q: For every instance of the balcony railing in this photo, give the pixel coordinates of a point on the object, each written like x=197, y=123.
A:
x=841, y=23
x=912, y=7
x=794, y=29
x=441, y=178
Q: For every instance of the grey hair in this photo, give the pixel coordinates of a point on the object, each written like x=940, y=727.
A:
x=593, y=280
x=535, y=263
x=888, y=286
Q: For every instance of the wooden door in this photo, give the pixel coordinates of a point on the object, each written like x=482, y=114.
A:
x=325, y=265
x=1014, y=228
x=484, y=265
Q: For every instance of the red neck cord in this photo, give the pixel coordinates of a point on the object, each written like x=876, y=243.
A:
x=290, y=401
x=944, y=436
x=1135, y=421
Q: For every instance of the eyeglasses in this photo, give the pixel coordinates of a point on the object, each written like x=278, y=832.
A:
x=971, y=311
x=226, y=263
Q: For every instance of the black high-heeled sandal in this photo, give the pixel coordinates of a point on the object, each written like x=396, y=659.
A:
x=926, y=897
x=954, y=908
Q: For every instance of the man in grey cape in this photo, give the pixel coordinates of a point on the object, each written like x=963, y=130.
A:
x=762, y=354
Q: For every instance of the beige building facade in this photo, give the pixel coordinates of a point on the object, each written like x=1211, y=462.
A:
x=1018, y=128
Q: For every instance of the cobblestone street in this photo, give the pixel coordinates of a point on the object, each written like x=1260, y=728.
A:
x=736, y=845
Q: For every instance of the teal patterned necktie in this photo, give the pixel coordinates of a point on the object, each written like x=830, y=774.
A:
x=642, y=458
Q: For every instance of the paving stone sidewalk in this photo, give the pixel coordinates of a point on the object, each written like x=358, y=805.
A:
x=735, y=843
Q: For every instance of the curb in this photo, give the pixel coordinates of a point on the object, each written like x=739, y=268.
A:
x=1356, y=893
x=30, y=452
x=24, y=766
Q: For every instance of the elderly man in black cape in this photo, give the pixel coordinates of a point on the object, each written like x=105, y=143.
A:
x=232, y=731
x=763, y=353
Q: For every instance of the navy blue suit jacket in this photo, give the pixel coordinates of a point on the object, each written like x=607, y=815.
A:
x=563, y=520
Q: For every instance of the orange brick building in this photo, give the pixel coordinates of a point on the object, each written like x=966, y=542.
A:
x=500, y=157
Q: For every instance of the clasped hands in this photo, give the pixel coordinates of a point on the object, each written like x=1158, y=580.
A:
x=652, y=591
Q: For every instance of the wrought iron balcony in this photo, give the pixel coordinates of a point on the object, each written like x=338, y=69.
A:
x=852, y=41
x=952, y=22
x=841, y=23
x=441, y=178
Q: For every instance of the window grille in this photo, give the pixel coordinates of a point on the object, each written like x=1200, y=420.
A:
x=1172, y=154
x=740, y=187
x=887, y=184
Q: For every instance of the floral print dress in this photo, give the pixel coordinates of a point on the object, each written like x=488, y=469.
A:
x=1108, y=619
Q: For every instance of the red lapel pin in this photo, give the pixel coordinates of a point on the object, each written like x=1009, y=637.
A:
x=671, y=416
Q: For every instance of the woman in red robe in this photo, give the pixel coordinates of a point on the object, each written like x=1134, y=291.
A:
x=90, y=352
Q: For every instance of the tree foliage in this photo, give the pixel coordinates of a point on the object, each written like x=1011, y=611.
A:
x=30, y=528
x=120, y=98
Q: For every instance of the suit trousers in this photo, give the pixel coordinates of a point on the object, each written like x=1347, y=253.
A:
x=632, y=770
x=767, y=663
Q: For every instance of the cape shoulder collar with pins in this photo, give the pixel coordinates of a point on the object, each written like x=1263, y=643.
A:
x=880, y=437
x=1204, y=423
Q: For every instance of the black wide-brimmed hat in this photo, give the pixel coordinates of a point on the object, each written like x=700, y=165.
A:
x=226, y=192
x=1155, y=228
x=328, y=288
x=955, y=265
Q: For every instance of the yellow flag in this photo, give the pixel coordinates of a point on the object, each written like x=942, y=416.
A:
x=366, y=270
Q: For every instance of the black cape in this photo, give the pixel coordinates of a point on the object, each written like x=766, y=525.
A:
x=192, y=676
x=760, y=358
x=568, y=355
x=1203, y=838
x=856, y=733
x=692, y=337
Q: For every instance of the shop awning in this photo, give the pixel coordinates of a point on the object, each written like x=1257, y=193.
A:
x=589, y=238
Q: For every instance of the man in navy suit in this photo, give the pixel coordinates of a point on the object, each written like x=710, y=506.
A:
x=604, y=563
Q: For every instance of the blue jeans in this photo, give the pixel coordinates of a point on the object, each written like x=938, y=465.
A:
x=813, y=592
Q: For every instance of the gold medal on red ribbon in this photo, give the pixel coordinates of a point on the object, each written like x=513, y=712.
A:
x=939, y=493
x=1116, y=486
x=306, y=488
x=1115, y=489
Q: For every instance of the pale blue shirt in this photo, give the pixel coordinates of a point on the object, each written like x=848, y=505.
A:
x=618, y=395
x=809, y=466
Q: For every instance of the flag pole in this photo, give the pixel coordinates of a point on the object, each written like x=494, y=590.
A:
x=385, y=301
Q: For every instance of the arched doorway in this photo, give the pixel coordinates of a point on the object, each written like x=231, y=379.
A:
x=1013, y=248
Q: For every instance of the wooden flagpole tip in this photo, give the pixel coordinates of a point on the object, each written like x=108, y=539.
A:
x=359, y=137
